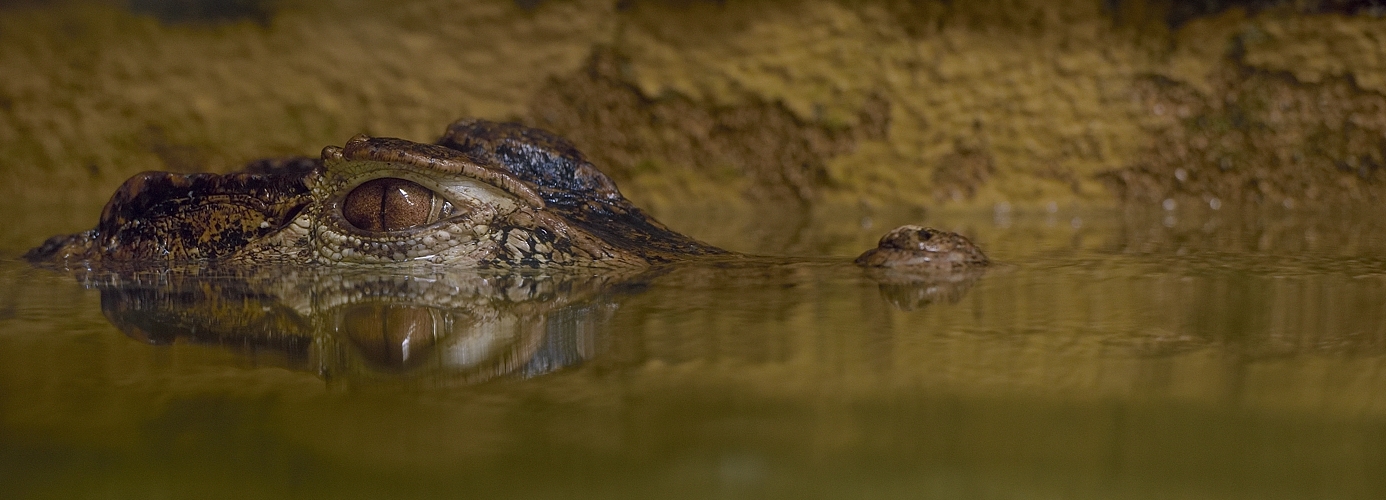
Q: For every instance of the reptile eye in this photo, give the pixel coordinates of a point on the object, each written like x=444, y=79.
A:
x=390, y=204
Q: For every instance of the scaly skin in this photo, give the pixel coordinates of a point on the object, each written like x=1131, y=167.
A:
x=487, y=195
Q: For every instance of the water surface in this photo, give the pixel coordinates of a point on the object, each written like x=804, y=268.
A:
x=1109, y=354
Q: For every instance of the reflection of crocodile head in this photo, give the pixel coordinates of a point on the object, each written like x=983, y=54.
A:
x=453, y=325
x=487, y=195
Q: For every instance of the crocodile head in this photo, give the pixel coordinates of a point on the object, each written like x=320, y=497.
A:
x=485, y=195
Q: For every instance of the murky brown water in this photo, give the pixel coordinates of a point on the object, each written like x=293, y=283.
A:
x=1108, y=355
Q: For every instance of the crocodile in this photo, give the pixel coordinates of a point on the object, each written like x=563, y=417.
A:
x=485, y=195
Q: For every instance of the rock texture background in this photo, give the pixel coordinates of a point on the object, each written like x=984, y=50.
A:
x=803, y=103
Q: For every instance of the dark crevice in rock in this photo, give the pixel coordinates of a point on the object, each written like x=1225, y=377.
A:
x=205, y=11
x=1179, y=12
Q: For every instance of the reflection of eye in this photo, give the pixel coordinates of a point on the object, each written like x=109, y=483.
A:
x=392, y=335
x=390, y=204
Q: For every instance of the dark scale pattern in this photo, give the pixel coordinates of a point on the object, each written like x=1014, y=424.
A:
x=522, y=248
x=572, y=187
x=197, y=216
x=550, y=163
x=1180, y=12
x=291, y=165
x=560, y=178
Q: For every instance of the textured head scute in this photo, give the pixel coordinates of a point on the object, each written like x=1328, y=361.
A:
x=552, y=164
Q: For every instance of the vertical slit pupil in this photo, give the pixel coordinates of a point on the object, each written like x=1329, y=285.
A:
x=388, y=204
